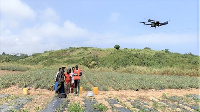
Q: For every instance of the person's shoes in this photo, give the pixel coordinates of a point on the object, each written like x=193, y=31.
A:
x=74, y=90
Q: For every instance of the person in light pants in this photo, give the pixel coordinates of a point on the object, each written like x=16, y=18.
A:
x=72, y=80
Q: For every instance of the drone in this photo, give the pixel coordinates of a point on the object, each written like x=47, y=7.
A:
x=154, y=23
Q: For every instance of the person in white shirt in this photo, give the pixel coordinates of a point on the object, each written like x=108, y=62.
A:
x=72, y=81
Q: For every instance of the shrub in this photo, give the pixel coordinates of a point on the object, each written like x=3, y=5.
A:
x=100, y=107
x=117, y=47
x=75, y=107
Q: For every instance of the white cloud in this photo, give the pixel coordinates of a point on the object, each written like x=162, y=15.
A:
x=114, y=17
x=42, y=37
x=14, y=12
x=52, y=30
x=71, y=30
x=49, y=35
x=49, y=15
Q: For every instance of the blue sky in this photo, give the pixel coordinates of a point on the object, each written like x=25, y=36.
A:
x=31, y=26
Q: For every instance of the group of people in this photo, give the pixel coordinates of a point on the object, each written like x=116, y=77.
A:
x=68, y=82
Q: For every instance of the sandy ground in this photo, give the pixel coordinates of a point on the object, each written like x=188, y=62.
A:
x=123, y=95
x=41, y=97
x=3, y=72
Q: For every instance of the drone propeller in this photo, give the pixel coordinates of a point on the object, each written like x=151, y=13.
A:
x=142, y=22
x=167, y=21
x=149, y=20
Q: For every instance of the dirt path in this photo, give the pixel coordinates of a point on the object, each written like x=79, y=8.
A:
x=3, y=72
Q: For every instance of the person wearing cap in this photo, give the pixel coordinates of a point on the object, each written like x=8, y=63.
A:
x=67, y=81
x=77, y=74
x=61, y=80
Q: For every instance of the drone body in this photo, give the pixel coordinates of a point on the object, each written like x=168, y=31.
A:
x=154, y=23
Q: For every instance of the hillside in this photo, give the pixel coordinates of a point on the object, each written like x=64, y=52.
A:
x=115, y=59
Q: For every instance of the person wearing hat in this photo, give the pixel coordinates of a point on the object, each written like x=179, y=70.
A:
x=77, y=74
x=61, y=80
x=67, y=81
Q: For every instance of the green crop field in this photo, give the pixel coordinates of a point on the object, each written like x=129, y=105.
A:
x=109, y=70
x=44, y=78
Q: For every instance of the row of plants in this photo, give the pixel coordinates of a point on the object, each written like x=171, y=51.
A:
x=150, y=70
x=77, y=107
x=157, y=71
x=125, y=81
x=14, y=68
x=43, y=78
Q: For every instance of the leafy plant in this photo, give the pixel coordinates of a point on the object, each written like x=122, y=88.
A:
x=37, y=108
x=155, y=104
x=100, y=107
x=75, y=107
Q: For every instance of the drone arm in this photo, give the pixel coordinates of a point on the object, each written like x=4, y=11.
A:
x=142, y=22
x=147, y=24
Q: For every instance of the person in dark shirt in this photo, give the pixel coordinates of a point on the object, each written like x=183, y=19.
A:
x=61, y=80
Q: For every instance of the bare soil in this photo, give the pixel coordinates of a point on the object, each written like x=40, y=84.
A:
x=123, y=95
x=3, y=72
x=41, y=97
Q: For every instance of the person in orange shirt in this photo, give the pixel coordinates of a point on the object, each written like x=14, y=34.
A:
x=67, y=81
x=77, y=74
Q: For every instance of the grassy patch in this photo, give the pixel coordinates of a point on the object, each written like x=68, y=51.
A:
x=136, y=61
x=44, y=78
x=125, y=81
x=100, y=107
x=75, y=107
x=14, y=68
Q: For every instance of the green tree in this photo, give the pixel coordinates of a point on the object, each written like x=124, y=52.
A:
x=3, y=53
x=117, y=47
x=147, y=48
x=167, y=51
